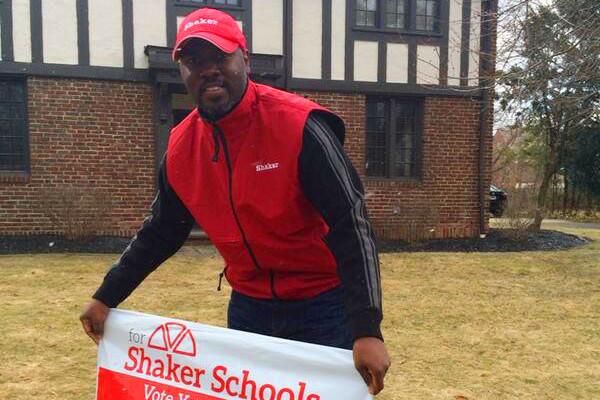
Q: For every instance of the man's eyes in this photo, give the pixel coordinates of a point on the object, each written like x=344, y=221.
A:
x=194, y=61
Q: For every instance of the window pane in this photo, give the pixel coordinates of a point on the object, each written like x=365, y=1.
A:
x=426, y=15
x=13, y=132
x=404, y=152
x=370, y=18
x=228, y=2
x=366, y=10
x=361, y=18
x=394, y=13
x=376, y=158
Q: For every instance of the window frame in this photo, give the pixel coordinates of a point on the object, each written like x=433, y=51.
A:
x=25, y=172
x=390, y=137
x=410, y=20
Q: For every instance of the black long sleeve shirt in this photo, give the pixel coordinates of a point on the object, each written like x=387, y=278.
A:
x=329, y=181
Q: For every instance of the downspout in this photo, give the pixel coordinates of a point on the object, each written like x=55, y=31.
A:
x=485, y=83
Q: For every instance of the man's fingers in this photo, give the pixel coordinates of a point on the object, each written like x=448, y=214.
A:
x=376, y=384
x=364, y=372
x=89, y=328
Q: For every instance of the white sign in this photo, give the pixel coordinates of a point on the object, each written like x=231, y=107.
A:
x=147, y=357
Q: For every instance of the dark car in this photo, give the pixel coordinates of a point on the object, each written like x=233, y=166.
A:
x=498, y=201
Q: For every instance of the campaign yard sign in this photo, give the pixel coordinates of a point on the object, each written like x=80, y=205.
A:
x=147, y=357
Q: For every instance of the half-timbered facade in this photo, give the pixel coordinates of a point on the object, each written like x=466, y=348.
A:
x=88, y=95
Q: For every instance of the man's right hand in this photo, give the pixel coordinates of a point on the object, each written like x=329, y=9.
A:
x=93, y=318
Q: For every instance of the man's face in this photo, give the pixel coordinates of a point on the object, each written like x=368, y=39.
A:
x=215, y=79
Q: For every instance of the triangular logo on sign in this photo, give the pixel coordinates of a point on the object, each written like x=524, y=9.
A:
x=173, y=337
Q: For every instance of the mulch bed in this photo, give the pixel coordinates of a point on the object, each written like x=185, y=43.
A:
x=497, y=241
x=56, y=244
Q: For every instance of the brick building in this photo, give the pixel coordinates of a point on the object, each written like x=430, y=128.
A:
x=89, y=95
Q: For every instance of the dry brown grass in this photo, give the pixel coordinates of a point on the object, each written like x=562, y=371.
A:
x=480, y=326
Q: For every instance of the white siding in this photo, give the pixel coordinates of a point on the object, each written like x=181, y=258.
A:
x=397, y=63
x=106, y=32
x=307, y=37
x=338, y=39
x=428, y=65
x=474, y=45
x=59, y=27
x=267, y=27
x=365, y=61
x=454, y=40
x=149, y=28
x=21, y=30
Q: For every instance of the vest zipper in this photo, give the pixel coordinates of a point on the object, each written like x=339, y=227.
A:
x=218, y=134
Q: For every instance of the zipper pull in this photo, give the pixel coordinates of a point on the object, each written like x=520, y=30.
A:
x=217, y=144
x=221, y=275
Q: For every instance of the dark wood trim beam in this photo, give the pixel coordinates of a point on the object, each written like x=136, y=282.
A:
x=37, y=35
x=326, y=40
x=83, y=32
x=128, y=54
x=7, y=31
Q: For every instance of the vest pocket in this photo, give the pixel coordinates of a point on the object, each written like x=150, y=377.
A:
x=237, y=259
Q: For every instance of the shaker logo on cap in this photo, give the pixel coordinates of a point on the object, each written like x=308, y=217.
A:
x=173, y=337
x=200, y=21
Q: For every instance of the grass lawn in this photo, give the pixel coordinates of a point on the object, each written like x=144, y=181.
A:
x=458, y=326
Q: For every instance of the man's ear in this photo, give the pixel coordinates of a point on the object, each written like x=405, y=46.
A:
x=246, y=56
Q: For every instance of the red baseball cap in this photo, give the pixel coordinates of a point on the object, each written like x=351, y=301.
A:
x=212, y=25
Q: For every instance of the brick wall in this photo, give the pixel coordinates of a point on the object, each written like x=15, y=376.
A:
x=84, y=133
x=444, y=203
x=100, y=133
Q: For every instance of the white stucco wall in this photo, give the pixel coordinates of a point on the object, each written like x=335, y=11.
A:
x=307, y=38
x=397, y=63
x=428, y=65
x=454, y=40
x=149, y=28
x=474, y=43
x=21, y=30
x=365, y=61
x=106, y=32
x=338, y=39
x=267, y=27
x=59, y=29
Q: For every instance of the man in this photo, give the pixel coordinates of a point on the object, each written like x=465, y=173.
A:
x=263, y=172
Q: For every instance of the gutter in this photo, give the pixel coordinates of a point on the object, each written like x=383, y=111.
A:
x=490, y=7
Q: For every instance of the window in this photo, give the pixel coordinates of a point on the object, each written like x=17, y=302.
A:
x=232, y=7
x=393, y=137
x=14, y=151
x=406, y=15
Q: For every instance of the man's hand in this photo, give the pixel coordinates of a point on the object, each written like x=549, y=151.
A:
x=372, y=361
x=93, y=318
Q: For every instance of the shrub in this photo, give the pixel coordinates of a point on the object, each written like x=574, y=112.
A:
x=78, y=212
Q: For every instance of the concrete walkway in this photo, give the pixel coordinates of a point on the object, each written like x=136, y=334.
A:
x=555, y=223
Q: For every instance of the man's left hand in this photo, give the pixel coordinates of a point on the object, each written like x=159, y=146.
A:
x=372, y=361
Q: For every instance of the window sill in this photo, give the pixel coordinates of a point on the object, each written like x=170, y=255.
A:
x=391, y=31
x=14, y=177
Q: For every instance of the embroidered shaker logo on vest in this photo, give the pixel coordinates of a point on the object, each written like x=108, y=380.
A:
x=267, y=166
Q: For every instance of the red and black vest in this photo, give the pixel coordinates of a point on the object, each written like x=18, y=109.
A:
x=248, y=198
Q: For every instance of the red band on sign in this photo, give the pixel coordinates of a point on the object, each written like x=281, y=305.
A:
x=117, y=386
